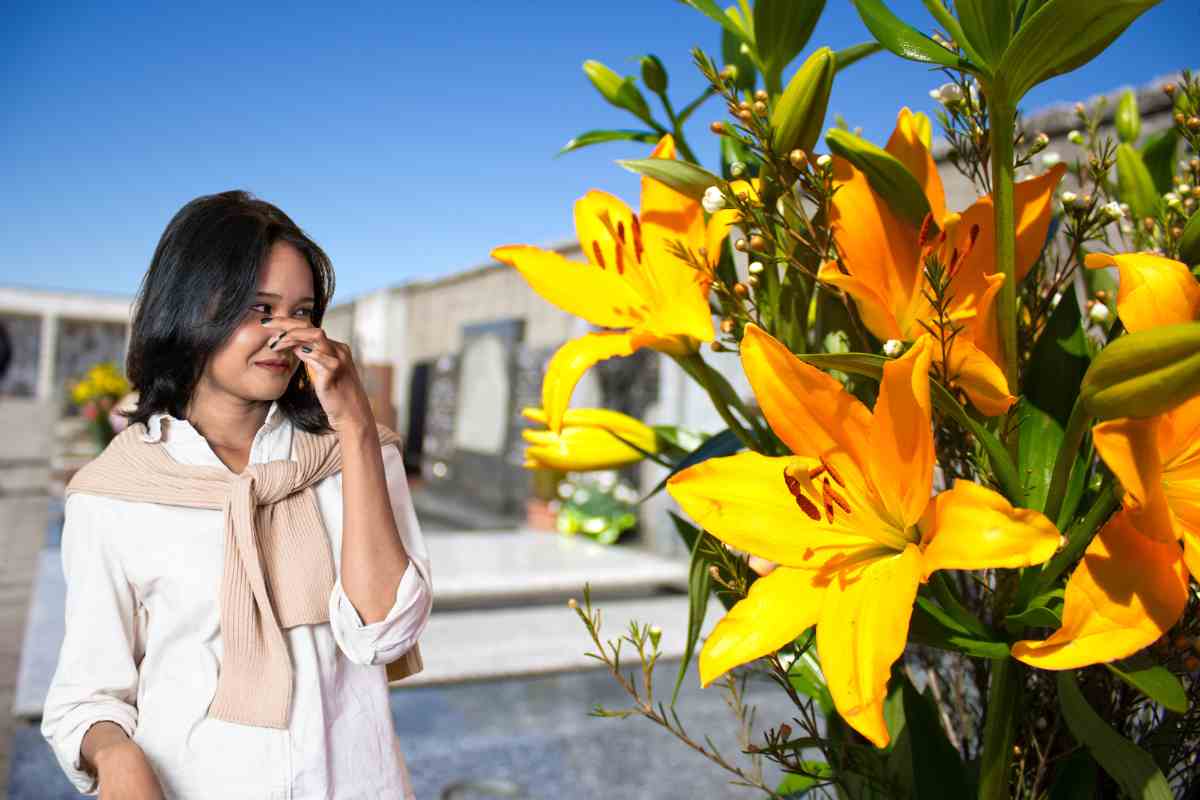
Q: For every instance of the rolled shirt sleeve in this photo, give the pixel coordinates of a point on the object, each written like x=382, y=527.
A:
x=384, y=641
x=97, y=674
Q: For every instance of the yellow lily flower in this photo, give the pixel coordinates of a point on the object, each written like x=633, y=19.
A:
x=1153, y=290
x=849, y=520
x=588, y=440
x=1131, y=585
x=884, y=255
x=632, y=283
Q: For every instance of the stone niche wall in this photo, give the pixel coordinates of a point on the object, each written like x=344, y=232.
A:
x=24, y=337
x=81, y=344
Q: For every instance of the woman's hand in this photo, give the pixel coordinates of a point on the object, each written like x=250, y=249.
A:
x=332, y=373
x=125, y=773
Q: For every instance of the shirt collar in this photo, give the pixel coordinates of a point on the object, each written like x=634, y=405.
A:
x=153, y=433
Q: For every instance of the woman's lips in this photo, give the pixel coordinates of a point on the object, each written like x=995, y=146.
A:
x=274, y=366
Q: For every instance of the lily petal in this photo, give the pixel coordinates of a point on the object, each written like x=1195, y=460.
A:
x=578, y=449
x=908, y=147
x=1126, y=592
x=901, y=460
x=1130, y=449
x=569, y=363
x=862, y=631
x=809, y=410
x=875, y=311
x=978, y=375
x=743, y=500
x=1153, y=290
x=610, y=235
x=779, y=607
x=596, y=295
x=972, y=527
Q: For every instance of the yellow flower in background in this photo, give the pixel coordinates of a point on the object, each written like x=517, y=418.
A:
x=101, y=380
x=884, y=255
x=849, y=520
x=633, y=282
x=1131, y=585
x=1153, y=290
x=590, y=439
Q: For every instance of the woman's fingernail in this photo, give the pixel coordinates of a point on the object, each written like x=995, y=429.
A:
x=306, y=349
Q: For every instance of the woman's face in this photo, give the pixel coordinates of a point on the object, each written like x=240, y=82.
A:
x=285, y=290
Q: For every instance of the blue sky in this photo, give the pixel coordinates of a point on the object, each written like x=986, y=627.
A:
x=406, y=138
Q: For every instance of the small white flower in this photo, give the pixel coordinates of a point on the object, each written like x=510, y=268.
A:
x=1112, y=210
x=1054, y=301
x=892, y=347
x=713, y=200
x=1172, y=200
x=737, y=169
x=1183, y=188
x=1068, y=198
x=824, y=160
x=1099, y=312
x=1050, y=158
x=755, y=267
x=1075, y=137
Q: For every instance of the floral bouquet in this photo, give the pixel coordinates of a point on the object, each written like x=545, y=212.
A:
x=97, y=394
x=959, y=526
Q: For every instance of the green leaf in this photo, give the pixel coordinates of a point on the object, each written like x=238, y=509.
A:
x=725, y=443
x=1040, y=437
x=1158, y=154
x=620, y=92
x=1189, y=243
x=1127, y=118
x=1153, y=680
x=932, y=626
x=886, y=174
x=805, y=676
x=598, y=136
x=698, y=587
x=781, y=30
x=987, y=25
x=1135, y=184
x=1061, y=36
x=799, y=115
x=1075, y=778
x=1043, y=611
x=794, y=784
x=934, y=763
x=1059, y=361
x=1129, y=765
x=903, y=39
x=713, y=11
x=731, y=53
x=688, y=532
x=685, y=178
x=855, y=52
x=872, y=366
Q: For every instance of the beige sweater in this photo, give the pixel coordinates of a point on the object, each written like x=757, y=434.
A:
x=278, y=569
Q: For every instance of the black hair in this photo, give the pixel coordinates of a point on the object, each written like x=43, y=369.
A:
x=203, y=277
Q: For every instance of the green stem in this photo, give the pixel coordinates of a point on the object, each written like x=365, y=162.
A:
x=677, y=130
x=1077, y=427
x=1079, y=537
x=999, y=729
x=694, y=366
x=1003, y=116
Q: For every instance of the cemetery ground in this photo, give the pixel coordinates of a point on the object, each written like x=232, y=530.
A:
x=502, y=707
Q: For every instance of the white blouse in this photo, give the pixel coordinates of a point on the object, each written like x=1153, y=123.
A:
x=143, y=646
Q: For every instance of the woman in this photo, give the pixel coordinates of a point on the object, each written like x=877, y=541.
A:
x=244, y=567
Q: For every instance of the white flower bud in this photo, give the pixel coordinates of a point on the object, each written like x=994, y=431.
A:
x=1050, y=158
x=1099, y=312
x=824, y=161
x=1172, y=200
x=755, y=267
x=1112, y=210
x=713, y=201
x=1068, y=198
x=1183, y=188
x=1054, y=301
x=892, y=347
x=1075, y=137
x=737, y=169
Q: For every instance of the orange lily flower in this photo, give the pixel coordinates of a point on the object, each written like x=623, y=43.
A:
x=632, y=281
x=1131, y=585
x=590, y=439
x=849, y=520
x=884, y=255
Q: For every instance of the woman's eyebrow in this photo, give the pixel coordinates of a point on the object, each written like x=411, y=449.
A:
x=277, y=297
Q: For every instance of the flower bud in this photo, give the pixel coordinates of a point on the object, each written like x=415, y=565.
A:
x=737, y=169
x=892, y=347
x=1098, y=313
x=755, y=267
x=1193, y=123
x=1050, y=158
x=1075, y=137
x=727, y=325
x=1112, y=211
x=717, y=127
x=1039, y=144
x=713, y=201
x=753, y=281
x=716, y=346
x=572, y=604
x=1145, y=373
x=1068, y=198
x=654, y=75
x=655, y=635
x=1168, y=89
x=760, y=108
x=824, y=160
x=757, y=243
x=797, y=158
x=740, y=289
x=799, y=115
x=739, y=245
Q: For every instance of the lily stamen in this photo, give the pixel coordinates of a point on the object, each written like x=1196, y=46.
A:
x=806, y=505
x=830, y=494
